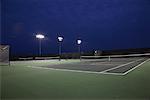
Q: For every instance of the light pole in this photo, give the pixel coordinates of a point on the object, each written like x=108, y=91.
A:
x=79, y=41
x=40, y=37
x=60, y=39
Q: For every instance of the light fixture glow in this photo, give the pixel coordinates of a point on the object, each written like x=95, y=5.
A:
x=79, y=41
x=60, y=38
x=40, y=36
x=95, y=51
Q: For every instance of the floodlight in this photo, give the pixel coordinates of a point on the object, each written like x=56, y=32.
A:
x=95, y=51
x=60, y=39
x=79, y=42
x=40, y=36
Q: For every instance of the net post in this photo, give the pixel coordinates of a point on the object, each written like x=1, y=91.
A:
x=109, y=58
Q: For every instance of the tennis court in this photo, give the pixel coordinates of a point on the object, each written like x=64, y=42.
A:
x=35, y=80
x=116, y=65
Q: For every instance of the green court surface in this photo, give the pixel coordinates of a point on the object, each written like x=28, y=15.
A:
x=20, y=81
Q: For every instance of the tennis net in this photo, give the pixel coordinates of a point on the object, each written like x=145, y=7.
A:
x=116, y=58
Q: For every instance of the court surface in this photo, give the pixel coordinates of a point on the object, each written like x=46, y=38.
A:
x=114, y=66
x=38, y=80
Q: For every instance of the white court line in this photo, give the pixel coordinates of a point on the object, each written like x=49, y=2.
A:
x=135, y=67
x=62, y=69
x=121, y=65
x=89, y=72
x=109, y=73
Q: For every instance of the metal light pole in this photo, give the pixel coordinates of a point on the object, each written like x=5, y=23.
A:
x=40, y=37
x=79, y=47
x=60, y=39
x=40, y=47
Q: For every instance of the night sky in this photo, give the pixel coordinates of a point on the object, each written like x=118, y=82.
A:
x=101, y=24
